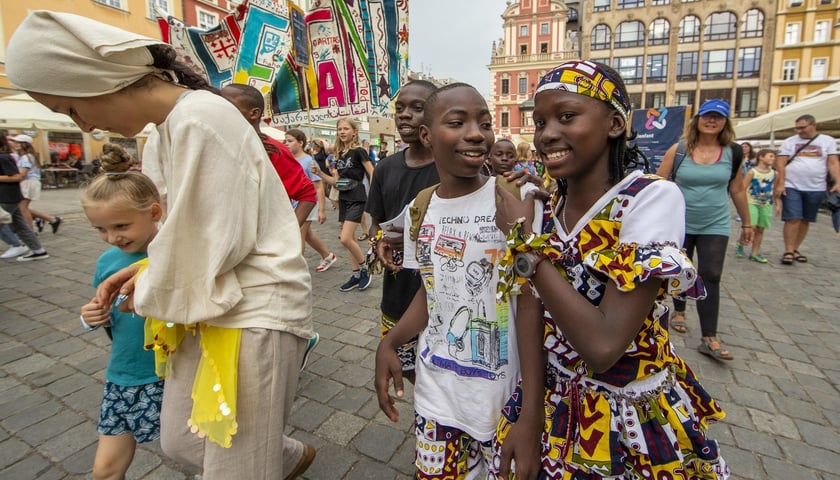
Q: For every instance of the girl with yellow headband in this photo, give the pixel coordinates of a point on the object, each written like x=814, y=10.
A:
x=603, y=394
x=225, y=277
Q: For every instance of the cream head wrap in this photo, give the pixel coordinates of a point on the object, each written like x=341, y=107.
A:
x=73, y=56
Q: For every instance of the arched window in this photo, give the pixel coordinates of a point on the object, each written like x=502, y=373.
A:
x=600, y=37
x=630, y=34
x=752, y=23
x=658, y=32
x=689, y=29
x=721, y=26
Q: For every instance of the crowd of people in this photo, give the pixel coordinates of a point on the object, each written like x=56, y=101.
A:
x=529, y=286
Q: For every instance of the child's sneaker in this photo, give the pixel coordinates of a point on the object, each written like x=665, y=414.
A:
x=39, y=224
x=364, y=279
x=15, y=251
x=350, y=284
x=56, y=223
x=34, y=256
x=739, y=251
x=758, y=258
x=310, y=345
x=326, y=263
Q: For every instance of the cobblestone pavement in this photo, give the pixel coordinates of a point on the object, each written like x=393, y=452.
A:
x=780, y=393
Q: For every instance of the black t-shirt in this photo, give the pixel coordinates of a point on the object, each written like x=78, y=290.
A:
x=394, y=186
x=350, y=165
x=321, y=160
x=9, y=192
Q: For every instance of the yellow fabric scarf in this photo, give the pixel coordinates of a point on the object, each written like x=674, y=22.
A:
x=213, y=413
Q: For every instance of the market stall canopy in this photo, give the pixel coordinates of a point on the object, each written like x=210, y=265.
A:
x=21, y=112
x=824, y=105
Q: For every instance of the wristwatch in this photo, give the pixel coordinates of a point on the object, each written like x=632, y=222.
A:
x=525, y=263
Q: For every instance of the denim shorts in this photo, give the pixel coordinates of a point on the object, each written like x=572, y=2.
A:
x=134, y=410
x=799, y=205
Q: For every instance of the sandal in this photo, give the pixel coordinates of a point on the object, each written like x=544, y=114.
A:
x=787, y=258
x=678, y=323
x=362, y=237
x=799, y=257
x=710, y=346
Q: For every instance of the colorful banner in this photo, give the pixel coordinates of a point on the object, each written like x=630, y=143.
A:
x=359, y=54
x=211, y=53
x=266, y=40
x=657, y=130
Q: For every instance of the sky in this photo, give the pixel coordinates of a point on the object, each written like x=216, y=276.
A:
x=453, y=38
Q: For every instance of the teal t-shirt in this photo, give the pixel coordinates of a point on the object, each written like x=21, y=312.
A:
x=706, y=192
x=130, y=365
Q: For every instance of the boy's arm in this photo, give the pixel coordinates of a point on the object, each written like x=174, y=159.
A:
x=523, y=442
x=388, y=364
x=748, y=179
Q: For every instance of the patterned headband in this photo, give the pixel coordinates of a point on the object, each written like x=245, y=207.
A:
x=586, y=78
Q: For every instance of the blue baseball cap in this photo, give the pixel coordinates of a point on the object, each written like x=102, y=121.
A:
x=715, y=105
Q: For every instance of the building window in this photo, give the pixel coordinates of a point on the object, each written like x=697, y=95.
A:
x=689, y=29
x=723, y=93
x=630, y=68
x=660, y=2
x=572, y=15
x=523, y=30
x=523, y=49
x=721, y=26
x=790, y=70
x=601, y=5
x=207, y=20
x=543, y=29
x=162, y=6
x=635, y=100
x=543, y=47
x=792, y=33
x=111, y=3
x=752, y=24
x=630, y=34
x=526, y=119
x=685, y=98
x=821, y=30
x=818, y=68
x=657, y=68
x=746, y=102
x=505, y=90
x=505, y=121
x=794, y=3
x=630, y=4
x=655, y=100
x=600, y=37
x=826, y=2
x=523, y=85
x=686, y=66
x=786, y=101
x=749, y=62
x=718, y=64
x=658, y=32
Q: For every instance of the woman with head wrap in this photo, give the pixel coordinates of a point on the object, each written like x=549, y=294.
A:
x=603, y=394
x=226, y=277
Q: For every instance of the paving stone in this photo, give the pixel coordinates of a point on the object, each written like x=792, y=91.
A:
x=756, y=441
x=11, y=451
x=323, y=366
x=11, y=354
x=64, y=347
x=31, y=415
x=341, y=427
x=774, y=424
x=321, y=389
x=821, y=436
x=52, y=426
x=378, y=441
x=33, y=363
x=351, y=400
x=81, y=462
x=309, y=415
x=68, y=385
x=354, y=376
x=368, y=470
x=21, y=403
x=33, y=467
x=748, y=396
x=782, y=469
x=332, y=461
x=68, y=443
x=350, y=353
x=46, y=377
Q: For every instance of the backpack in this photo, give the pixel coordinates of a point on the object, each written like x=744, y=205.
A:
x=737, y=159
x=421, y=204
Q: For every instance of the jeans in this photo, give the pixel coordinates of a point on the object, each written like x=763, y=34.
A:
x=20, y=227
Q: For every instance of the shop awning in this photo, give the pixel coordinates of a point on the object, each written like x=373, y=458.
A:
x=21, y=112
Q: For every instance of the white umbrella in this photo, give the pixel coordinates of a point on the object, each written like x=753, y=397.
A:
x=21, y=112
x=824, y=105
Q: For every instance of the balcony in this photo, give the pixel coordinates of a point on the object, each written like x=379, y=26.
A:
x=534, y=58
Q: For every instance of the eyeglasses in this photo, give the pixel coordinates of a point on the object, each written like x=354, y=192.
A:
x=802, y=127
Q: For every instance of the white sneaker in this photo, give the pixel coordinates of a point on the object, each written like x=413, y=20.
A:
x=15, y=252
x=326, y=262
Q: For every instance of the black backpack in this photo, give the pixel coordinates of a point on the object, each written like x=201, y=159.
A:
x=737, y=159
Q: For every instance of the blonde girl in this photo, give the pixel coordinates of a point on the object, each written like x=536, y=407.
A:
x=124, y=208
x=523, y=158
x=352, y=164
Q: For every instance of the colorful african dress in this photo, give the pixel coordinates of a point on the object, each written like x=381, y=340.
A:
x=644, y=418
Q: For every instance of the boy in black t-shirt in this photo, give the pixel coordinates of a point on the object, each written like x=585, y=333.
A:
x=396, y=181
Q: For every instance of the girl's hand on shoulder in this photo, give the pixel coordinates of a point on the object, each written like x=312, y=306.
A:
x=94, y=315
x=509, y=209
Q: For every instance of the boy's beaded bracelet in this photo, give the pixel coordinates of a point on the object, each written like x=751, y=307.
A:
x=746, y=226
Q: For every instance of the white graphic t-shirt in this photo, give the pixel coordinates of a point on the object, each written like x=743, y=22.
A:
x=807, y=170
x=467, y=362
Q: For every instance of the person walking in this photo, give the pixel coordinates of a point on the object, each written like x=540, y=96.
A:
x=706, y=166
x=30, y=186
x=801, y=167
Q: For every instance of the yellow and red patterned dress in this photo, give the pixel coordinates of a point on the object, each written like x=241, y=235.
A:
x=644, y=418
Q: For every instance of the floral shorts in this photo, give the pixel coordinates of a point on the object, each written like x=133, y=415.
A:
x=407, y=352
x=132, y=409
